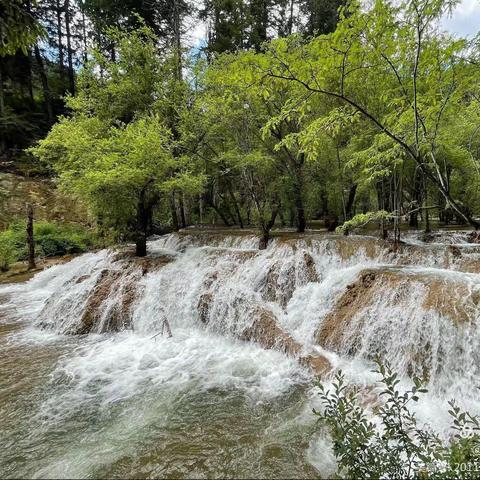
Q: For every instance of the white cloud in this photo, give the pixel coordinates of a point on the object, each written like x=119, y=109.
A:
x=465, y=19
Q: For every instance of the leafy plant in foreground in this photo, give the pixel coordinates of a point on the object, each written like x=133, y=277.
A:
x=394, y=445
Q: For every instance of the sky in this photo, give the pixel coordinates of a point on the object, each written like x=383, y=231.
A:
x=464, y=21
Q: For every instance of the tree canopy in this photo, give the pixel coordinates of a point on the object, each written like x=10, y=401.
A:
x=295, y=112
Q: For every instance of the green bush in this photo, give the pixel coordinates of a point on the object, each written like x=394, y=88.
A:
x=395, y=446
x=8, y=250
x=54, y=239
x=51, y=239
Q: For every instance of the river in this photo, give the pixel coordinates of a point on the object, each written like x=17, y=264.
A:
x=124, y=400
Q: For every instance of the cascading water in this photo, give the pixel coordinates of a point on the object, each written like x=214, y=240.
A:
x=230, y=393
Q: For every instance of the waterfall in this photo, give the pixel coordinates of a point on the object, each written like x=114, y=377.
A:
x=419, y=310
x=250, y=321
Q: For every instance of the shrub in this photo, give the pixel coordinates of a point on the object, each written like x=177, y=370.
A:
x=54, y=239
x=51, y=239
x=395, y=446
x=8, y=250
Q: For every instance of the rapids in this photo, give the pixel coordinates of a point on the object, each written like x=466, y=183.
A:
x=89, y=387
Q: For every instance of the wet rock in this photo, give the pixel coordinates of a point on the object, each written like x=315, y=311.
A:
x=357, y=296
x=348, y=247
x=82, y=278
x=279, y=283
x=265, y=331
x=116, y=318
x=473, y=237
x=428, y=237
x=317, y=363
x=108, y=307
x=451, y=299
x=310, y=269
x=203, y=307
x=455, y=251
x=282, y=279
x=410, y=306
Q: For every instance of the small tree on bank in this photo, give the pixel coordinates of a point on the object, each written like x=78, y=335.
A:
x=30, y=238
x=115, y=150
x=396, y=446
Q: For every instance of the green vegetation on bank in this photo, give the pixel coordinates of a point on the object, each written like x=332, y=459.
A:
x=293, y=111
x=394, y=445
x=51, y=239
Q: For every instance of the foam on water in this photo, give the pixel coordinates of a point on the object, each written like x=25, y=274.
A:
x=56, y=284
x=121, y=392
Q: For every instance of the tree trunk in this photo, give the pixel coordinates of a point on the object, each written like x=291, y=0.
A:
x=290, y=19
x=298, y=194
x=30, y=239
x=220, y=214
x=84, y=30
x=200, y=208
x=44, y=79
x=142, y=226
x=350, y=201
x=181, y=206
x=426, y=214
x=141, y=245
x=235, y=205
x=30, y=80
x=417, y=199
x=2, y=111
x=259, y=14
x=177, y=38
x=301, y=222
x=2, y=96
x=61, y=60
x=71, y=73
x=264, y=239
x=291, y=217
x=266, y=227
x=173, y=211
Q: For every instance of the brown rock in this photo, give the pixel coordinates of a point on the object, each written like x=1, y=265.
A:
x=120, y=284
x=317, y=363
x=310, y=269
x=204, y=307
x=445, y=296
x=357, y=296
x=265, y=331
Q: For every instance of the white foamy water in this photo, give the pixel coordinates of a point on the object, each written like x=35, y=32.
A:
x=204, y=402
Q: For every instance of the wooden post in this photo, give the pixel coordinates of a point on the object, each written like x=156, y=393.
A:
x=30, y=239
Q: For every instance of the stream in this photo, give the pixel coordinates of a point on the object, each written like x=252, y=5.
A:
x=90, y=388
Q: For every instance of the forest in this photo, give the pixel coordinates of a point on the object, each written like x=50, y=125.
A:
x=289, y=112
x=239, y=239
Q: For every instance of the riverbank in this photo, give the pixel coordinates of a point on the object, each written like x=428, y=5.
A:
x=19, y=271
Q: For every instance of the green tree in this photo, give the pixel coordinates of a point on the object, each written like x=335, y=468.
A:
x=18, y=27
x=391, y=66
x=116, y=149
